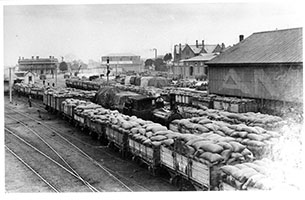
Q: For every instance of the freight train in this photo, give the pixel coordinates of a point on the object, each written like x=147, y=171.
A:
x=202, y=170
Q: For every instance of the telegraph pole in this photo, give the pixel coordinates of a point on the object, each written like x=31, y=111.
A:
x=108, y=71
x=10, y=84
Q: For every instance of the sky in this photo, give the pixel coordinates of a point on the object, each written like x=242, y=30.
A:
x=86, y=32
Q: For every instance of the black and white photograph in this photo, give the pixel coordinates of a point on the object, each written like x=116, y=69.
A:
x=186, y=98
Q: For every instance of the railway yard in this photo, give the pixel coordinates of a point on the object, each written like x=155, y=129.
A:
x=64, y=142
x=51, y=156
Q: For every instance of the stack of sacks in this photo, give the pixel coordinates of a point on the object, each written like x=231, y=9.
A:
x=260, y=174
x=69, y=104
x=71, y=93
x=149, y=91
x=266, y=121
x=145, y=132
x=212, y=149
x=86, y=109
x=252, y=137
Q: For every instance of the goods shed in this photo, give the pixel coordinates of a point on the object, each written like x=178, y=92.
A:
x=267, y=66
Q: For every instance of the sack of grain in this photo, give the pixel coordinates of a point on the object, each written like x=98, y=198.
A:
x=255, y=143
x=256, y=137
x=163, y=132
x=147, y=142
x=226, y=154
x=155, y=128
x=148, y=134
x=142, y=131
x=158, y=138
x=211, y=157
x=156, y=143
x=226, y=145
x=208, y=146
x=168, y=142
x=237, y=147
x=134, y=130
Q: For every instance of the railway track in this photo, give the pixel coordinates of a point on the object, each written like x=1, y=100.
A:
x=55, y=175
x=101, y=154
x=108, y=171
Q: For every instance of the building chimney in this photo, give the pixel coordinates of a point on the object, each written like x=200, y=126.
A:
x=37, y=57
x=180, y=50
x=241, y=38
x=202, y=44
x=50, y=57
x=197, y=43
x=22, y=58
x=32, y=57
x=19, y=58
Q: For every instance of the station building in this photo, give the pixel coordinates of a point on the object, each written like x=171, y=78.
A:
x=38, y=65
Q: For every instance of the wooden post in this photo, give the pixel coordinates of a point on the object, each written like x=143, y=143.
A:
x=10, y=83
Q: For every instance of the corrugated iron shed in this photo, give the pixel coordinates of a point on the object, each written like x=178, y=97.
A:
x=279, y=46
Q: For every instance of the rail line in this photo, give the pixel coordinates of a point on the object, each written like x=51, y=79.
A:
x=69, y=166
x=33, y=170
x=108, y=171
x=49, y=158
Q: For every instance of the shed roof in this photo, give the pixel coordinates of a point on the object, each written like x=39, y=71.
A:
x=279, y=46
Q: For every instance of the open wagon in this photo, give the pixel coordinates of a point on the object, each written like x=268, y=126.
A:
x=148, y=154
x=117, y=137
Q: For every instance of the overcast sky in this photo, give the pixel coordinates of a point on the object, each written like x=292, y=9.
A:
x=91, y=31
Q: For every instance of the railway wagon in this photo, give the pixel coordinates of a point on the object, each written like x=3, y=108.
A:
x=118, y=138
x=148, y=154
x=189, y=170
x=98, y=128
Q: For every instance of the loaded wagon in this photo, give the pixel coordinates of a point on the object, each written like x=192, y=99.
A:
x=118, y=138
x=148, y=154
x=187, y=170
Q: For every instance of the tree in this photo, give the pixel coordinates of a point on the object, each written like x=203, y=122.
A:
x=149, y=62
x=160, y=65
x=63, y=66
x=167, y=57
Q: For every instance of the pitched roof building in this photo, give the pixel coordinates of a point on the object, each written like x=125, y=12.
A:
x=267, y=66
x=187, y=51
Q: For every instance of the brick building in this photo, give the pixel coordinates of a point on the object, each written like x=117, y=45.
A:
x=38, y=65
x=189, y=60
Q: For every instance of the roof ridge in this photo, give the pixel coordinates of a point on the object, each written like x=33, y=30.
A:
x=277, y=30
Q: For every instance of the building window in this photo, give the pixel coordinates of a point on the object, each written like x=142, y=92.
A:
x=191, y=71
x=30, y=79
